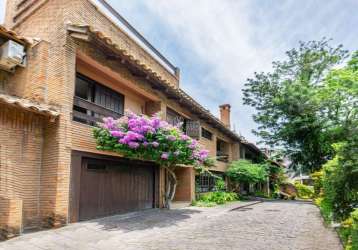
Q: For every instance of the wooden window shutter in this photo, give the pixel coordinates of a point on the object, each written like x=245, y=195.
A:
x=193, y=129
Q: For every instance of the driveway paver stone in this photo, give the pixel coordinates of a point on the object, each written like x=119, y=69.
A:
x=274, y=225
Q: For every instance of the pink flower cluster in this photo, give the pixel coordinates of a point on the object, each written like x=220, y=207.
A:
x=131, y=130
x=141, y=132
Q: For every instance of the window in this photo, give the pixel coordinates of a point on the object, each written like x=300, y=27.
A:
x=222, y=151
x=94, y=101
x=175, y=119
x=96, y=167
x=206, y=134
x=206, y=182
x=242, y=152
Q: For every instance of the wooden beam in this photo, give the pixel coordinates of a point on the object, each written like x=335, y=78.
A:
x=77, y=29
x=80, y=36
x=157, y=87
x=173, y=97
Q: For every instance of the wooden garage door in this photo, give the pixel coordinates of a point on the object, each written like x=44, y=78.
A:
x=109, y=187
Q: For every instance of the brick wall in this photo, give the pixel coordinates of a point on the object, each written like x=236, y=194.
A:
x=49, y=78
x=17, y=11
x=31, y=82
x=3, y=80
x=21, y=141
x=10, y=217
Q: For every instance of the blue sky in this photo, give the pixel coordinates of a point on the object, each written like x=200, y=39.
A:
x=218, y=44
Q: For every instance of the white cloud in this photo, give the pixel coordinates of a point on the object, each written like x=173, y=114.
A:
x=218, y=35
x=232, y=39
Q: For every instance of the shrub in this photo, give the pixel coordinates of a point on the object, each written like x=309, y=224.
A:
x=261, y=194
x=203, y=204
x=150, y=138
x=348, y=231
x=304, y=191
x=218, y=197
x=354, y=216
x=340, y=184
x=243, y=171
x=318, y=201
x=317, y=178
x=220, y=185
x=231, y=196
x=326, y=209
x=345, y=233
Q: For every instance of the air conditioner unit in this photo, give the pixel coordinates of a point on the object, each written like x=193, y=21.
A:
x=11, y=54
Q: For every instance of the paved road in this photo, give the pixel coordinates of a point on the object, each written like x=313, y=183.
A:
x=268, y=225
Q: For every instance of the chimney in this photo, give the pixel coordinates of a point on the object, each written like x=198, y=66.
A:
x=225, y=114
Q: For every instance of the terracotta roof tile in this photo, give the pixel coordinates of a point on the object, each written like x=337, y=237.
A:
x=26, y=104
x=14, y=36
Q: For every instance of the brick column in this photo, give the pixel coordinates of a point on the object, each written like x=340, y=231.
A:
x=186, y=184
x=55, y=179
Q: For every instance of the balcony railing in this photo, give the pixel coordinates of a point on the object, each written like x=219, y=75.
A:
x=90, y=113
x=222, y=156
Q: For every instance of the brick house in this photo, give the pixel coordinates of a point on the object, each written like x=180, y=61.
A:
x=81, y=66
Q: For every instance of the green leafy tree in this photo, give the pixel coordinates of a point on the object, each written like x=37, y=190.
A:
x=288, y=103
x=275, y=173
x=339, y=97
x=244, y=171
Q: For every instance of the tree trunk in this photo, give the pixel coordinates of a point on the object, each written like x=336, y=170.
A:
x=171, y=184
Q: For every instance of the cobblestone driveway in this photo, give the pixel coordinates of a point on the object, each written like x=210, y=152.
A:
x=268, y=225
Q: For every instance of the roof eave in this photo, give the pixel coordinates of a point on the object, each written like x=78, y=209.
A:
x=14, y=36
x=25, y=104
x=85, y=33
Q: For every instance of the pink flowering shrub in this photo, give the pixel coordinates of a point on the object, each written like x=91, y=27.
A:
x=149, y=138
